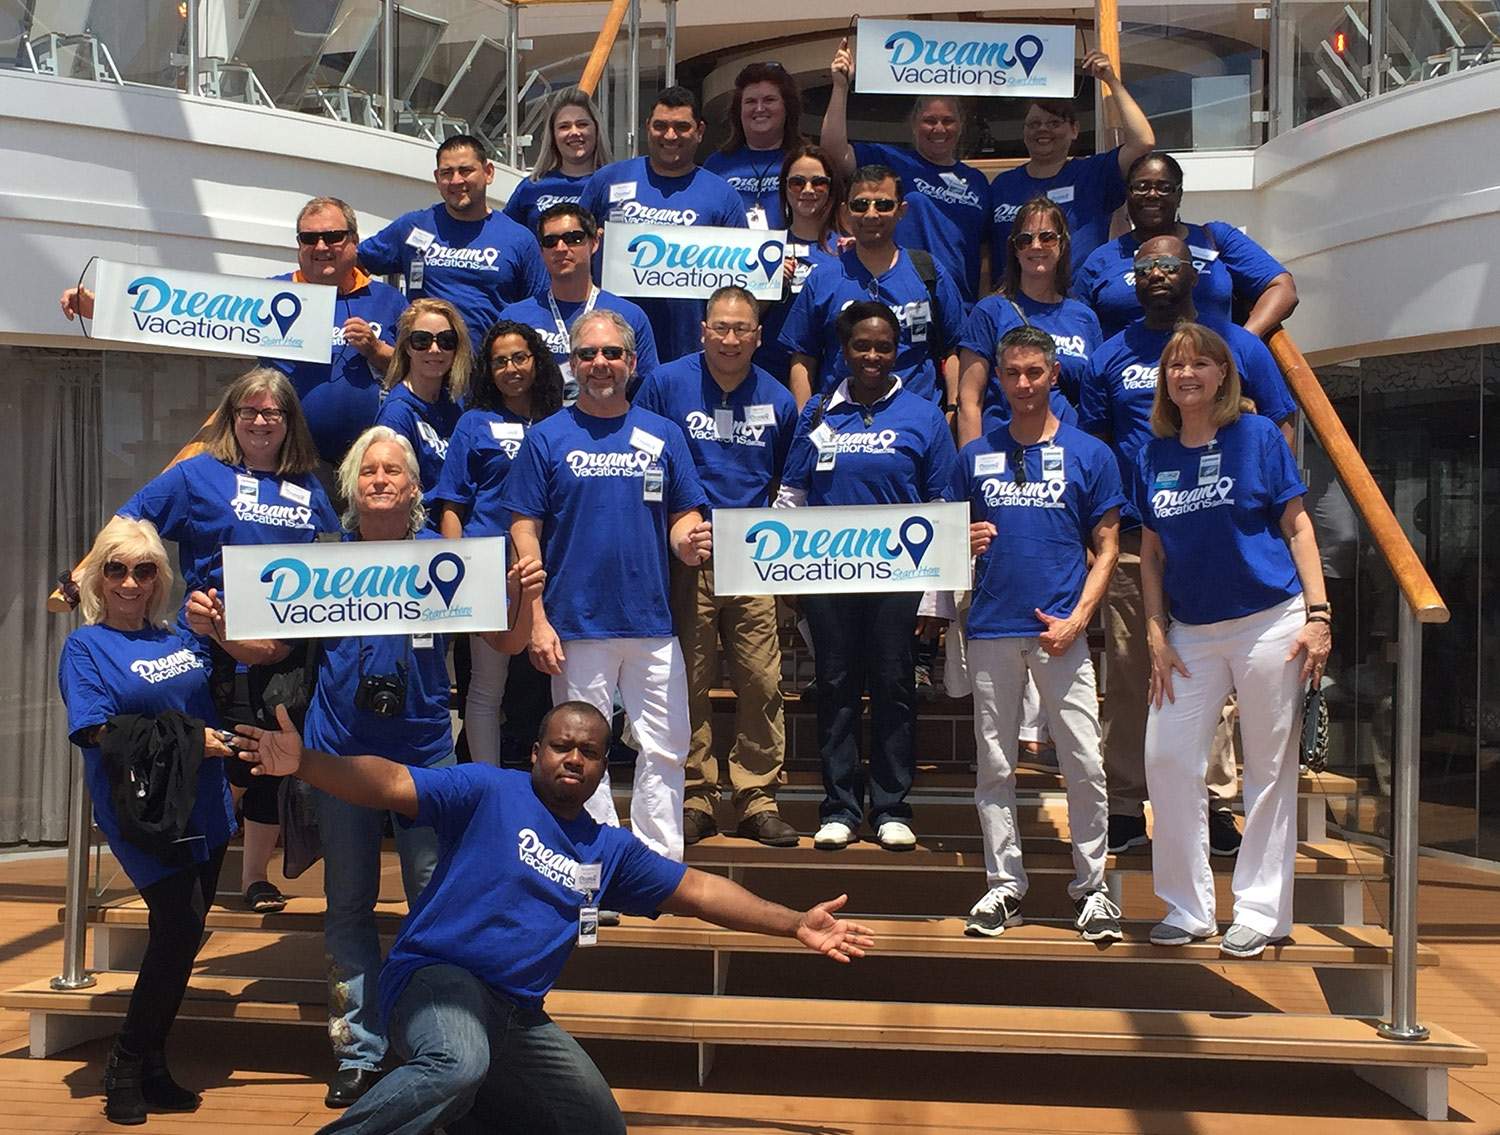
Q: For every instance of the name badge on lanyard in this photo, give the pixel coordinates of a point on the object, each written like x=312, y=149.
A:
x=724, y=424
x=416, y=273
x=1208, y=468
x=1052, y=463
x=653, y=482
x=246, y=488
x=590, y=876
x=755, y=218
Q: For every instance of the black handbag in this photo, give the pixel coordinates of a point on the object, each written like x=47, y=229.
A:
x=1314, y=754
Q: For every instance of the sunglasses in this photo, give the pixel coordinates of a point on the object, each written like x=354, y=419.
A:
x=818, y=181
x=862, y=205
x=423, y=340
x=143, y=572
x=517, y=360
x=1044, y=238
x=572, y=238
x=587, y=354
x=248, y=414
x=1171, y=265
x=331, y=237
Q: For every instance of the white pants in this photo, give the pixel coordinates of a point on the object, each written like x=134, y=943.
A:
x=1247, y=655
x=652, y=681
x=1033, y=714
x=482, y=713
x=998, y=669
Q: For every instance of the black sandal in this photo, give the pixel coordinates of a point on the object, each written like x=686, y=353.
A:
x=264, y=897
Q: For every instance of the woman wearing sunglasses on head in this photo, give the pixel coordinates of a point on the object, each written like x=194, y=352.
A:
x=425, y=386
x=125, y=659
x=572, y=149
x=1233, y=271
x=525, y=386
x=1032, y=293
x=763, y=118
x=254, y=485
x=811, y=195
x=950, y=200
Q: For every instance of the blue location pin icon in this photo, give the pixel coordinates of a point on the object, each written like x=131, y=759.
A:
x=448, y=587
x=916, y=534
x=771, y=255
x=1028, y=51
x=285, y=307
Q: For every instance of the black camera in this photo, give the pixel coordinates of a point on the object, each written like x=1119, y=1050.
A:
x=384, y=695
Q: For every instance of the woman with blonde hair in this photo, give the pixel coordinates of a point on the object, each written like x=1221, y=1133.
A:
x=254, y=484
x=125, y=659
x=573, y=147
x=425, y=386
x=1233, y=590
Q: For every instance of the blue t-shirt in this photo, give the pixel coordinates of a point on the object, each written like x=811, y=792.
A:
x=340, y=398
x=530, y=199
x=477, y=266
x=204, y=504
x=756, y=177
x=809, y=328
x=902, y=455
x=1073, y=327
x=420, y=734
x=1088, y=190
x=630, y=192
x=1117, y=397
x=772, y=355
x=604, y=544
x=480, y=453
x=1229, y=264
x=1043, y=526
x=536, y=312
x=947, y=213
x=428, y=426
x=103, y=672
x=1217, y=511
x=736, y=469
x=504, y=899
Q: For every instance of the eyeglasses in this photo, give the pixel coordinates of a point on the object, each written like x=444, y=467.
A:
x=572, y=238
x=143, y=572
x=1018, y=465
x=331, y=237
x=1157, y=188
x=798, y=183
x=1044, y=238
x=587, y=354
x=517, y=360
x=1171, y=265
x=423, y=340
x=248, y=414
x=724, y=330
x=862, y=205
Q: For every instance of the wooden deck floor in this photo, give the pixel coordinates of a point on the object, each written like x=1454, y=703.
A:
x=267, y=1079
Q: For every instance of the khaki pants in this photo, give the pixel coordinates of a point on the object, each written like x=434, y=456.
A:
x=1127, y=690
x=746, y=626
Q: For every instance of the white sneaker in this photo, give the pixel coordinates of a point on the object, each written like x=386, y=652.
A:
x=896, y=836
x=835, y=835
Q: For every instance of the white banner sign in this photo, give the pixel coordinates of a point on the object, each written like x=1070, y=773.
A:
x=818, y=551
x=691, y=261
x=234, y=315
x=917, y=57
x=364, y=587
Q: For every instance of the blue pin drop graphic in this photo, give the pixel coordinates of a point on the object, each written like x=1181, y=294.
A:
x=448, y=587
x=1029, y=51
x=916, y=535
x=285, y=307
x=771, y=256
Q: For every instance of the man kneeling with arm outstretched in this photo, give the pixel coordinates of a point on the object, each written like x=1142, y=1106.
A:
x=522, y=871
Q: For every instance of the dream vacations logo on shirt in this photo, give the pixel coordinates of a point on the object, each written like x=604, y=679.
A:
x=156, y=670
x=700, y=427
x=439, y=255
x=799, y=550
x=582, y=463
x=1166, y=503
x=551, y=865
x=276, y=515
x=1033, y=494
x=1139, y=376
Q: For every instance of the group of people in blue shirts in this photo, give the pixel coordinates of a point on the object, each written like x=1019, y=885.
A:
x=1108, y=411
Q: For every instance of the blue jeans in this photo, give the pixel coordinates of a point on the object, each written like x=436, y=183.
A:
x=475, y=1062
x=351, y=883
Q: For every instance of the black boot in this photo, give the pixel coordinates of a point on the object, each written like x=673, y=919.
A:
x=161, y=1091
x=123, y=1101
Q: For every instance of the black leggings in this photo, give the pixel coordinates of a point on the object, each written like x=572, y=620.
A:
x=178, y=905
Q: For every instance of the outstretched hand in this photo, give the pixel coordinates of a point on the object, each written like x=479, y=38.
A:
x=837, y=938
x=275, y=752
